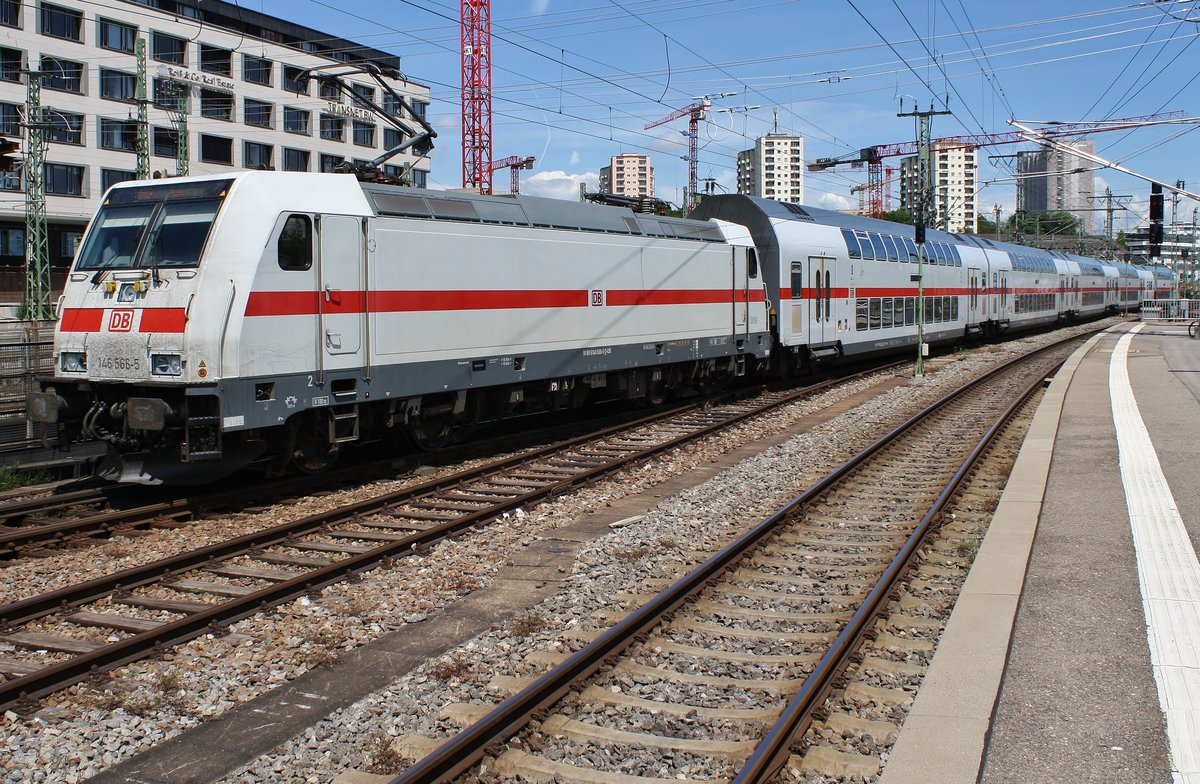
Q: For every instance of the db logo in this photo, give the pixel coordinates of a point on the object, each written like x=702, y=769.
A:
x=120, y=321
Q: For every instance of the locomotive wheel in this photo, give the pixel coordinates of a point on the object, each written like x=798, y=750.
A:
x=314, y=452
x=430, y=433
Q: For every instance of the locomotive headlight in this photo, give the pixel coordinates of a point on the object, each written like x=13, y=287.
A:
x=73, y=361
x=166, y=364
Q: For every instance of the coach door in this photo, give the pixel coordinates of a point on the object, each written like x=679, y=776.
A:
x=342, y=291
x=821, y=326
x=973, y=284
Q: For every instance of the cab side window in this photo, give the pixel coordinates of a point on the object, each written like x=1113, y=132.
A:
x=295, y=243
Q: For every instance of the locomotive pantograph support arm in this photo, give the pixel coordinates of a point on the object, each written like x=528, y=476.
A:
x=420, y=142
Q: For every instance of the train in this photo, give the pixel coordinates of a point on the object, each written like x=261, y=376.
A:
x=271, y=319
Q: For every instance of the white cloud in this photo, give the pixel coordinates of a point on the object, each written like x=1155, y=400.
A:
x=538, y=7
x=558, y=184
x=574, y=157
x=833, y=201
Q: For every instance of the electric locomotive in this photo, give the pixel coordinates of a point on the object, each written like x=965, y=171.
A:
x=273, y=317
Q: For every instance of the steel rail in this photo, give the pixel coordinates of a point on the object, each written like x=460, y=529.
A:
x=468, y=747
x=773, y=752
x=23, y=689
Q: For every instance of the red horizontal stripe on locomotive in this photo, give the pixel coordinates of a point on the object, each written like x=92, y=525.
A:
x=81, y=320
x=625, y=297
x=161, y=320
x=296, y=303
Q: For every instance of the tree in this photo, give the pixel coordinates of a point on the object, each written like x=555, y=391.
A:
x=984, y=226
x=1047, y=224
x=899, y=216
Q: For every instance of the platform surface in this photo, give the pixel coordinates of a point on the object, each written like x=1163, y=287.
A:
x=1046, y=672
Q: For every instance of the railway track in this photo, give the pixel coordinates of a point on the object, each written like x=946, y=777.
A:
x=68, y=634
x=36, y=526
x=719, y=675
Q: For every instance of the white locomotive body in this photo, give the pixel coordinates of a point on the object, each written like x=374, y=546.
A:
x=213, y=321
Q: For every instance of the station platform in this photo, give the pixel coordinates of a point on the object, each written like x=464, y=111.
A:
x=1073, y=653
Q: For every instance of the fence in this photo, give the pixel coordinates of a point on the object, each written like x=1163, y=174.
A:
x=1170, y=309
x=26, y=349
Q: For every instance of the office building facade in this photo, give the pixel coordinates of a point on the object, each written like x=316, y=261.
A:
x=953, y=176
x=239, y=70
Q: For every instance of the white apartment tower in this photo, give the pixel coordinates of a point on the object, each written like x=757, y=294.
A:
x=952, y=173
x=773, y=168
x=628, y=174
x=239, y=69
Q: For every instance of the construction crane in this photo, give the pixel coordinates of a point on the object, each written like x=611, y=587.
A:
x=696, y=112
x=476, y=18
x=883, y=193
x=873, y=156
x=514, y=163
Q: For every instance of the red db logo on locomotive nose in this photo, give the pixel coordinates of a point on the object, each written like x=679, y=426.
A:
x=120, y=321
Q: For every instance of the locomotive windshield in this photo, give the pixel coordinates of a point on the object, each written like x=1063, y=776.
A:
x=153, y=226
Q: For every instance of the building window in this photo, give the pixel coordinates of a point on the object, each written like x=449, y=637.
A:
x=295, y=160
x=10, y=13
x=118, y=135
x=256, y=69
x=216, y=105
x=420, y=109
x=64, y=180
x=330, y=163
x=10, y=119
x=168, y=49
x=166, y=142
x=291, y=80
x=10, y=181
x=62, y=22
x=116, y=36
x=258, y=156
x=62, y=75
x=12, y=242
x=110, y=177
x=329, y=92
x=214, y=59
x=64, y=128
x=117, y=85
x=258, y=113
x=295, y=120
x=364, y=134
x=420, y=179
x=216, y=149
x=393, y=104
x=11, y=62
x=332, y=128
x=392, y=138
x=364, y=91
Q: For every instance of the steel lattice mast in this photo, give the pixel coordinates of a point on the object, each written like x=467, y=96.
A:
x=477, y=94
x=37, y=249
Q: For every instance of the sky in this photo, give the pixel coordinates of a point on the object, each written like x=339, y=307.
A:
x=574, y=82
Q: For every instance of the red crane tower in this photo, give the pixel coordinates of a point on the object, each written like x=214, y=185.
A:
x=697, y=113
x=514, y=163
x=476, y=18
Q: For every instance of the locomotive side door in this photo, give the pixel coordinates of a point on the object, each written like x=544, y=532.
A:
x=740, y=288
x=341, y=294
x=798, y=296
x=821, y=326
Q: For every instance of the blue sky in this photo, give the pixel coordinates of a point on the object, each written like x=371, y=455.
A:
x=575, y=81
